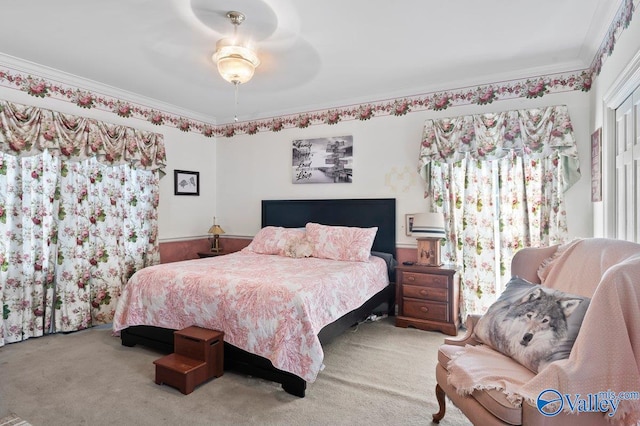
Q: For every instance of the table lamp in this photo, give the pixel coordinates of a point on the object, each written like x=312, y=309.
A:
x=428, y=229
x=216, y=230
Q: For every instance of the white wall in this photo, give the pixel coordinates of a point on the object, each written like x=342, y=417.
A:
x=625, y=50
x=255, y=167
x=180, y=217
x=185, y=216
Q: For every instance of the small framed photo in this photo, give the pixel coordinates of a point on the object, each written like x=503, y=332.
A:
x=186, y=183
x=408, y=224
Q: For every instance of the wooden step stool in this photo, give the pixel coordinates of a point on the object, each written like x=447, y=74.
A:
x=198, y=356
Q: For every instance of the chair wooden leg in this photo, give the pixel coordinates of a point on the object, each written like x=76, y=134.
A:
x=440, y=396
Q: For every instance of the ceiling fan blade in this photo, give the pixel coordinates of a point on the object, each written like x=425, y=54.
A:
x=295, y=64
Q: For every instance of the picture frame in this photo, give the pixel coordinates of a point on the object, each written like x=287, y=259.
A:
x=186, y=182
x=596, y=165
x=322, y=160
x=408, y=224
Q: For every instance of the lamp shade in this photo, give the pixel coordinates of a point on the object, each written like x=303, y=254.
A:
x=216, y=230
x=236, y=62
x=428, y=225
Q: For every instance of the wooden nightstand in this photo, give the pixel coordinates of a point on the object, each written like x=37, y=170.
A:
x=202, y=254
x=427, y=298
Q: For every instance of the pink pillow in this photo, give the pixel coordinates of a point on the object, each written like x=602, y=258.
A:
x=341, y=242
x=274, y=240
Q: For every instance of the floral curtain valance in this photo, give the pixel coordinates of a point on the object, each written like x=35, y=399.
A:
x=28, y=130
x=532, y=133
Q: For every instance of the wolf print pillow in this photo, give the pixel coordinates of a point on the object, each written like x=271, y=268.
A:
x=532, y=324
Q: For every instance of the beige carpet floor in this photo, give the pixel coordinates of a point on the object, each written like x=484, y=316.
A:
x=375, y=374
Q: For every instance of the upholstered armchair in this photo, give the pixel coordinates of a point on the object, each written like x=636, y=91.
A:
x=492, y=389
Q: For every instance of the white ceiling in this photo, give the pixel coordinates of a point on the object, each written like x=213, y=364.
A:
x=315, y=54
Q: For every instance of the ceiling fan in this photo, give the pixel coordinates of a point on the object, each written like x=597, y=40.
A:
x=237, y=60
x=183, y=45
x=283, y=57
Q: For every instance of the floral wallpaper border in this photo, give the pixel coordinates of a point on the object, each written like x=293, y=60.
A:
x=533, y=87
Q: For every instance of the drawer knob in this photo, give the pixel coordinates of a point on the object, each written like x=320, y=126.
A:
x=411, y=278
x=424, y=292
x=424, y=309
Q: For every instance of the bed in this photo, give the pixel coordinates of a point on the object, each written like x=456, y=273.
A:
x=292, y=214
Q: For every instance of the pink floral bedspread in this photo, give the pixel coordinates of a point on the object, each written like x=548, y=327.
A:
x=272, y=306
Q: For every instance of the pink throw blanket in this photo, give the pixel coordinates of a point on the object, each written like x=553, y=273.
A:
x=606, y=354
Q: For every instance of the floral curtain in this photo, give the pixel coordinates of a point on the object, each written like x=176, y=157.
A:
x=499, y=179
x=78, y=215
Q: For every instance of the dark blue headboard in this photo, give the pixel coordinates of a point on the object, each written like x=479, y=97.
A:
x=363, y=212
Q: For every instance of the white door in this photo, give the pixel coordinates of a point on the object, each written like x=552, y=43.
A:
x=627, y=158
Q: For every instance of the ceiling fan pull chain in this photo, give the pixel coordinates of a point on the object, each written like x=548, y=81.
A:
x=236, y=84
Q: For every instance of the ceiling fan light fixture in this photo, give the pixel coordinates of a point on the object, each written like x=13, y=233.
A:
x=236, y=61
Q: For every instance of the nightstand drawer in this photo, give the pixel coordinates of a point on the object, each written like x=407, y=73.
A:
x=428, y=280
x=422, y=292
x=426, y=310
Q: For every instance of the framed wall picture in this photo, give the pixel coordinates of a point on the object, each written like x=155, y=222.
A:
x=186, y=183
x=408, y=224
x=596, y=165
x=323, y=160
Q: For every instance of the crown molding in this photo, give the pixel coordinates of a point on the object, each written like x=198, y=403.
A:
x=74, y=81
